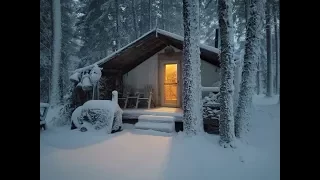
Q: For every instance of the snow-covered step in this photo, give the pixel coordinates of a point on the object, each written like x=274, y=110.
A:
x=163, y=127
x=158, y=119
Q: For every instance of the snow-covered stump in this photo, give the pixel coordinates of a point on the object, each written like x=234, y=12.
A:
x=244, y=107
x=115, y=96
x=192, y=107
x=100, y=114
x=226, y=128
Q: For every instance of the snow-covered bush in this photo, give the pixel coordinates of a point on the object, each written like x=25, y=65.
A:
x=211, y=106
x=66, y=109
x=100, y=114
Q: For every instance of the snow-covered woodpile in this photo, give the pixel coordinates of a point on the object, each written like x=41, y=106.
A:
x=211, y=110
x=98, y=114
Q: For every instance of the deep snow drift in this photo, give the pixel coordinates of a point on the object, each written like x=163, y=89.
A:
x=138, y=154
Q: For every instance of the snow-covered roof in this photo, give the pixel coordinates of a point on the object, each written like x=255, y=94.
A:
x=175, y=36
x=147, y=45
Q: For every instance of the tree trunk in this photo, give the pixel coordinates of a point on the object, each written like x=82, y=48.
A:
x=259, y=90
x=276, y=32
x=192, y=105
x=55, y=92
x=243, y=113
x=269, y=51
x=117, y=24
x=163, y=15
x=150, y=11
x=247, y=13
x=134, y=19
x=237, y=82
x=227, y=73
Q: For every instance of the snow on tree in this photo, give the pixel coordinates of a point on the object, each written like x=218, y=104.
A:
x=227, y=74
x=55, y=91
x=191, y=94
x=269, y=50
x=276, y=33
x=237, y=81
x=243, y=113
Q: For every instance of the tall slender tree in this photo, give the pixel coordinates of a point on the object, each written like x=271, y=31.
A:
x=191, y=95
x=243, y=113
x=55, y=90
x=227, y=73
x=276, y=33
x=116, y=6
x=269, y=49
x=134, y=19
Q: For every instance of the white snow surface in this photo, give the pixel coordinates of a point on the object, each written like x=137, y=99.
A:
x=164, y=127
x=149, y=155
x=160, y=119
x=42, y=105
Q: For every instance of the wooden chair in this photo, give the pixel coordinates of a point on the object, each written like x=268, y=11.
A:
x=123, y=96
x=133, y=95
x=146, y=95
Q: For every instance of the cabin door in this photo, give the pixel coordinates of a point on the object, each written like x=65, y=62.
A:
x=170, y=83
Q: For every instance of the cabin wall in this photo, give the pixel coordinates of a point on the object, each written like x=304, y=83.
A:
x=209, y=74
x=147, y=73
x=144, y=74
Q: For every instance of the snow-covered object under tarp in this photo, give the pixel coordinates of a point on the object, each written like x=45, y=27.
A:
x=103, y=114
x=75, y=77
x=95, y=74
x=86, y=83
x=76, y=117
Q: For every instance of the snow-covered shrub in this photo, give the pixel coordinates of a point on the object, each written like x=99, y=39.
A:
x=100, y=114
x=66, y=109
x=211, y=106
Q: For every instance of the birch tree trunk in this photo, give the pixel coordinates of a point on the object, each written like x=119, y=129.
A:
x=192, y=105
x=226, y=128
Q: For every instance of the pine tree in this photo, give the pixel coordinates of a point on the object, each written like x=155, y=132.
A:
x=191, y=95
x=243, y=113
x=227, y=73
x=55, y=90
x=269, y=49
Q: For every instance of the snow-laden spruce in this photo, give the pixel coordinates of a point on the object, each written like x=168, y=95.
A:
x=55, y=90
x=244, y=107
x=191, y=94
x=226, y=73
x=100, y=114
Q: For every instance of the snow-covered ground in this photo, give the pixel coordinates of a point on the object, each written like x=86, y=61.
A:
x=149, y=155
